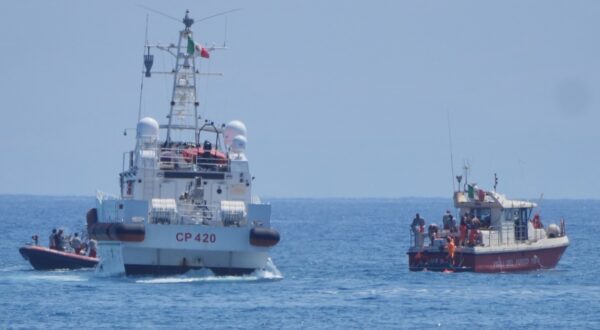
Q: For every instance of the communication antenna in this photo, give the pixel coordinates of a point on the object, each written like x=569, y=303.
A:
x=451, y=153
x=192, y=22
x=539, y=203
x=225, y=38
x=495, y=181
x=466, y=168
x=218, y=14
x=148, y=59
x=159, y=12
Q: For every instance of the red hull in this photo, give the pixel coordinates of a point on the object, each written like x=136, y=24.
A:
x=43, y=258
x=493, y=262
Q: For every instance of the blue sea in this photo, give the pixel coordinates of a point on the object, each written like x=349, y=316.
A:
x=341, y=263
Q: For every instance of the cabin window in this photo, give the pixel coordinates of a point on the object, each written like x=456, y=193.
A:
x=485, y=216
x=512, y=215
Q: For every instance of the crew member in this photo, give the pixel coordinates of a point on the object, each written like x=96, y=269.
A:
x=76, y=243
x=59, y=240
x=432, y=231
x=452, y=224
x=475, y=224
x=451, y=249
x=446, y=220
x=35, y=239
x=52, y=240
x=537, y=222
x=418, y=224
x=463, y=230
x=92, y=246
x=418, y=227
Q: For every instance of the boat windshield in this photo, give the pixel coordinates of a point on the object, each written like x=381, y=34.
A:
x=515, y=215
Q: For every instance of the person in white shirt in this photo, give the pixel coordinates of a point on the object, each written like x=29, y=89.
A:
x=76, y=243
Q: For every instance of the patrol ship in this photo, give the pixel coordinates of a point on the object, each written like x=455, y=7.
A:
x=497, y=234
x=184, y=203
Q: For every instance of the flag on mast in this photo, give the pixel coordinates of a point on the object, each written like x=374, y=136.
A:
x=195, y=49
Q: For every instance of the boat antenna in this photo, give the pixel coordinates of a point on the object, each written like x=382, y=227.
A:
x=147, y=58
x=219, y=14
x=192, y=22
x=225, y=38
x=540, y=203
x=466, y=168
x=451, y=153
x=495, y=181
x=158, y=12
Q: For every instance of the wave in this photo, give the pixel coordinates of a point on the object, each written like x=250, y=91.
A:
x=53, y=276
x=269, y=273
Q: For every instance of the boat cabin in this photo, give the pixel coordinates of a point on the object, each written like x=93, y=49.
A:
x=501, y=220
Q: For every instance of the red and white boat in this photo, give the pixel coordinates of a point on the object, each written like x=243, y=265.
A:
x=504, y=238
x=43, y=258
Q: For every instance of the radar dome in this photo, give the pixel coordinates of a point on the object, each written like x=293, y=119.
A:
x=233, y=129
x=238, y=144
x=147, y=128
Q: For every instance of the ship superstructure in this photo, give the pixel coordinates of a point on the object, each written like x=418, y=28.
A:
x=186, y=199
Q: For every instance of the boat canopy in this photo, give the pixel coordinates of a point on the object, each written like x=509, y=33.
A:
x=488, y=199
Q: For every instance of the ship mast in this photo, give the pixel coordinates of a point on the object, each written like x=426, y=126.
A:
x=184, y=104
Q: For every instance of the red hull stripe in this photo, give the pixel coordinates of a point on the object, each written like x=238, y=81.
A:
x=489, y=262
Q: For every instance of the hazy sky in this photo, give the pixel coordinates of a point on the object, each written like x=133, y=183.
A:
x=341, y=98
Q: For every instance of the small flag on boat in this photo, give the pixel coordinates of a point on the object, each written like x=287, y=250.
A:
x=195, y=49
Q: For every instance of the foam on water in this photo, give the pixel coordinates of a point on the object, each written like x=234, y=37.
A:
x=269, y=273
x=55, y=276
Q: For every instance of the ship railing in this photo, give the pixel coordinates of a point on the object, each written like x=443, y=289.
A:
x=202, y=214
x=506, y=234
x=537, y=234
x=417, y=238
x=175, y=158
x=503, y=235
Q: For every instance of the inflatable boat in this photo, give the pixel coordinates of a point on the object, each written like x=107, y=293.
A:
x=43, y=258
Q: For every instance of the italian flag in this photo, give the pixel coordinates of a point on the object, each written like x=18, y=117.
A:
x=195, y=49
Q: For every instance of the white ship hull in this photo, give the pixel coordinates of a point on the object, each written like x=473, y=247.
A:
x=176, y=249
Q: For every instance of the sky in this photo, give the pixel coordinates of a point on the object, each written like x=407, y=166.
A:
x=344, y=99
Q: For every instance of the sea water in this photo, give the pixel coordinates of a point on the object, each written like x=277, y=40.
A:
x=341, y=263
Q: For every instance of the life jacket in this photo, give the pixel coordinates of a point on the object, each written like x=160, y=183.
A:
x=451, y=248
